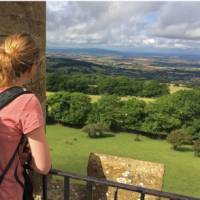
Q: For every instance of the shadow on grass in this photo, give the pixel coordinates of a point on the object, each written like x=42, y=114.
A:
x=103, y=136
x=184, y=149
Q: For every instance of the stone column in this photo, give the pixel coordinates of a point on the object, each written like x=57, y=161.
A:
x=29, y=17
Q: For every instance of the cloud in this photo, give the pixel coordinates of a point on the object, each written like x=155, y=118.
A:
x=178, y=20
x=123, y=24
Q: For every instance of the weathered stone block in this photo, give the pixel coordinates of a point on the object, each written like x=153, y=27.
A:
x=125, y=170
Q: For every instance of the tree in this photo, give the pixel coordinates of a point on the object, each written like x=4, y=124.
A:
x=161, y=116
x=69, y=108
x=122, y=86
x=76, y=83
x=57, y=103
x=136, y=87
x=78, y=110
x=193, y=128
x=108, y=111
x=153, y=88
x=175, y=111
x=133, y=113
x=196, y=147
x=107, y=85
x=187, y=105
x=55, y=82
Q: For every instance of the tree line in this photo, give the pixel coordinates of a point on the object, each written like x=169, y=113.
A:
x=180, y=110
x=102, y=84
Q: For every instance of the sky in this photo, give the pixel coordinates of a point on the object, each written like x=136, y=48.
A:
x=129, y=26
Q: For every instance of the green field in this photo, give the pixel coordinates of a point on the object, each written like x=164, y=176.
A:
x=173, y=88
x=182, y=169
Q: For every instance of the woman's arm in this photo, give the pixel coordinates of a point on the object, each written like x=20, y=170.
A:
x=41, y=159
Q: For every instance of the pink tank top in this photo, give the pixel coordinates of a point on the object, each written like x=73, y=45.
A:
x=21, y=116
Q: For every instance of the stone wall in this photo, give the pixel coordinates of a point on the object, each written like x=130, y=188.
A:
x=29, y=17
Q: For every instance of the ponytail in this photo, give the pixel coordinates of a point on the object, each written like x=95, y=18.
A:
x=17, y=55
x=7, y=75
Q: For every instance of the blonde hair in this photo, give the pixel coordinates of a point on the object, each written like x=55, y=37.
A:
x=18, y=53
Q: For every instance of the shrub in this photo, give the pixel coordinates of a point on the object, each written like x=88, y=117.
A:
x=196, y=147
x=137, y=138
x=95, y=130
x=178, y=137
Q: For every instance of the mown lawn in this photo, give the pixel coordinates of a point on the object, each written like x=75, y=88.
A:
x=182, y=169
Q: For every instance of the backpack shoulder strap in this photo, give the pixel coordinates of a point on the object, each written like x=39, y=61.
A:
x=10, y=161
x=10, y=94
x=5, y=98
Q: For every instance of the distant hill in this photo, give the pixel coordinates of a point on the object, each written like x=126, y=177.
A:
x=77, y=65
x=121, y=54
x=68, y=65
x=88, y=51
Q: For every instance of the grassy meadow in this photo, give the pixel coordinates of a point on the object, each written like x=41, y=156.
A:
x=70, y=149
x=173, y=88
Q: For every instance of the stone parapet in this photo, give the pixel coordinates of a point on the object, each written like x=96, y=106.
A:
x=124, y=170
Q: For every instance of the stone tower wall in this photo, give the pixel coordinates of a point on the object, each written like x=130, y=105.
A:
x=29, y=17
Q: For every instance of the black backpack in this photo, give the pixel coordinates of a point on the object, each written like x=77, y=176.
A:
x=6, y=97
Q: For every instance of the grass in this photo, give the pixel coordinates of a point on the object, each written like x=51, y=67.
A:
x=173, y=88
x=95, y=98
x=49, y=93
x=182, y=169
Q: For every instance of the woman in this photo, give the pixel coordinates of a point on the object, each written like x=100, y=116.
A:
x=19, y=57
